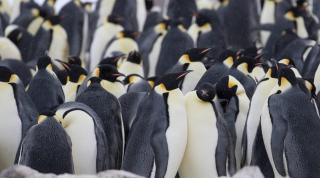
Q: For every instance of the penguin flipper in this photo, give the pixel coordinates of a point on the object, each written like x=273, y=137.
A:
x=279, y=130
x=225, y=150
x=160, y=148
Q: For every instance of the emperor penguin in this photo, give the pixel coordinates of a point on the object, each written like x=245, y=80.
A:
x=282, y=128
x=261, y=94
x=104, y=8
x=150, y=43
x=176, y=129
x=45, y=89
x=207, y=31
x=108, y=109
x=124, y=42
x=213, y=155
x=179, y=9
x=21, y=38
x=158, y=150
x=236, y=109
x=89, y=142
x=75, y=76
x=74, y=23
x=19, y=68
x=49, y=6
x=110, y=79
x=102, y=36
x=268, y=16
x=174, y=44
x=17, y=113
x=8, y=50
x=132, y=65
x=47, y=148
x=191, y=60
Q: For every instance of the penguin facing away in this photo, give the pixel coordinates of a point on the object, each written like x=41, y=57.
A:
x=89, y=142
x=108, y=109
x=47, y=148
x=18, y=114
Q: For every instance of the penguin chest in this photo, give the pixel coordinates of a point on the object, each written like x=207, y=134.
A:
x=115, y=88
x=124, y=45
x=176, y=133
x=70, y=91
x=199, y=157
x=35, y=25
x=81, y=130
x=59, y=44
x=154, y=56
x=128, y=68
x=192, y=79
x=10, y=126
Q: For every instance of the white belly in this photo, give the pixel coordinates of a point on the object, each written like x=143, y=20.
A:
x=177, y=132
x=84, y=145
x=260, y=96
x=70, y=91
x=124, y=45
x=154, y=56
x=10, y=126
x=199, y=160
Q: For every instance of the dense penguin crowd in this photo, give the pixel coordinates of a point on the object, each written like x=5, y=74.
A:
x=185, y=89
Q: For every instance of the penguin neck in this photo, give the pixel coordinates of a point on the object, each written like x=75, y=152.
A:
x=116, y=88
x=70, y=90
x=268, y=12
x=301, y=28
x=257, y=74
x=243, y=68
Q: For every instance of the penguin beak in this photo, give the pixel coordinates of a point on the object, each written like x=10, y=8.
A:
x=119, y=74
x=184, y=74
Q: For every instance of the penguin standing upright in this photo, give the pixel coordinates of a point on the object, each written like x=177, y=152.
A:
x=229, y=88
x=47, y=148
x=174, y=44
x=285, y=130
x=157, y=151
x=17, y=113
x=182, y=9
x=191, y=60
x=213, y=154
x=132, y=65
x=73, y=23
x=102, y=36
x=45, y=89
x=261, y=94
x=150, y=46
x=124, y=42
x=90, y=153
x=108, y=109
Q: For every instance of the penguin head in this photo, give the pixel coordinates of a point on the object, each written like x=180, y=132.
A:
x=7, y=76
x=206, y=92
x=113, y=61
x=170, y=81
x=202, y=20
x=132, y=78
x=127, y=34
x=149, y=4
x=177, y=23
x=272, y=72
x=45, y=63
x=244, y=64
x=38, y=12
x=228, y=87
x=74, y=60
x=54, y=20
x=227, y=58
x=162, y=27
x=115, y=19
x=286, y=78
x=194, y=55
x=77, y=74
x=93, y=80
x=107, y=72
x=302, y=4
x=134, y=57
x=293, y=13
